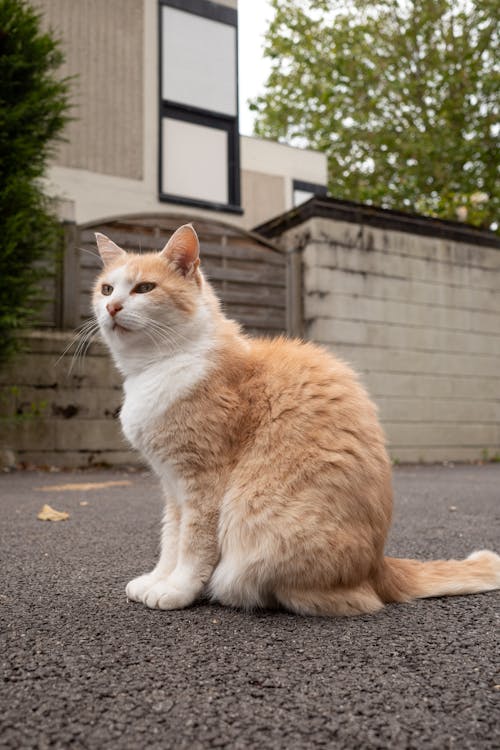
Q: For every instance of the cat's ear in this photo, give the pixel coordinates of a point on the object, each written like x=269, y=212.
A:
x=108, y=251
x=183, y=250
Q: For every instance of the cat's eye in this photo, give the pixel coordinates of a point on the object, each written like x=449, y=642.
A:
x=145, y=286
x=106, y=289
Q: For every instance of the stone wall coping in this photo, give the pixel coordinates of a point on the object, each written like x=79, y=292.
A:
x=384, y=218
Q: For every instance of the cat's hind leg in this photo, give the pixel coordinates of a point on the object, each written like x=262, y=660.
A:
x=358, y=600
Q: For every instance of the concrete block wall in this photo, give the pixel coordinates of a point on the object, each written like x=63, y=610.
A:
x=51, y=416
x=419, y=318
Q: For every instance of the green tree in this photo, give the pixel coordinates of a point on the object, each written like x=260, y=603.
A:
x=34, y=106
x=402, y=95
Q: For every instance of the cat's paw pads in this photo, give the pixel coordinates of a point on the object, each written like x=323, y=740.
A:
x=167, y=595
x=137, y=588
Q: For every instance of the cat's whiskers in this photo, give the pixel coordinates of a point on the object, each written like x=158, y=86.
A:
x=85, y=336
x=156, y=344
x=89, y=340
x=174, y=334
x=151, y=326
x=84, y=344
x=83, y=330
x=143, y=328
x=162, y=334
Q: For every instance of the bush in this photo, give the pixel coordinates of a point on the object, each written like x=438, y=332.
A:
x=34, y=106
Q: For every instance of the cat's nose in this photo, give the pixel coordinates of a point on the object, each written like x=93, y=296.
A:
x=113, y=308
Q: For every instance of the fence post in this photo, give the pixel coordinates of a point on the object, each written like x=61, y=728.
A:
x=294, y=312
x=69, y=279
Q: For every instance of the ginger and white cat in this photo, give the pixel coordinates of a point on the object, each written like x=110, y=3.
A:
x=272, y=461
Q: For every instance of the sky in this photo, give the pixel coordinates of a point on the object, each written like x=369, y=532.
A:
x=253, y=19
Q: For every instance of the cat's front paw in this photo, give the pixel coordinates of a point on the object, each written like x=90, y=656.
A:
x=168, y=594
x=137, y=588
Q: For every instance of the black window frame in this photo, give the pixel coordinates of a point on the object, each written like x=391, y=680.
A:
x=198, y=116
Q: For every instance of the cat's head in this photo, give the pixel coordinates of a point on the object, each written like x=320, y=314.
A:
x=151, y=302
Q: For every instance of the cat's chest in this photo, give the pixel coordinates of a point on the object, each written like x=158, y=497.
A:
x=137, y=416
x=150, y=395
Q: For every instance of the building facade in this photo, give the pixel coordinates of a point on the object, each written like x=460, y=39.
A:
x=413, y=303
x=155, y=126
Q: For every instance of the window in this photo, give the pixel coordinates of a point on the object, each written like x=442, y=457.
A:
x=303, y=191
x=199, y=140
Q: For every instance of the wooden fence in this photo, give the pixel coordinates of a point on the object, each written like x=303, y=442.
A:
x=250, y=274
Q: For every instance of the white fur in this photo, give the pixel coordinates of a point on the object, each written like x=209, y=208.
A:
x=493, y=560
x=159, y=370
x=174, y=591
x=177, y=591
x=139, y=587
x=150, y=393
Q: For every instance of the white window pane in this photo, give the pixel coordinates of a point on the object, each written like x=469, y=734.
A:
x=301, y=196
x=199, y=61
x=194, y=161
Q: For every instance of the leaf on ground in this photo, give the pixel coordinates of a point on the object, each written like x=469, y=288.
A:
x=50, y=514
x=84, y=486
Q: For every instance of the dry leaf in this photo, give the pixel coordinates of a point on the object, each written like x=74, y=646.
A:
x=50, y=514
x=84, y=486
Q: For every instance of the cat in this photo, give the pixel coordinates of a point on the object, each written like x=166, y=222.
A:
x=269, y=452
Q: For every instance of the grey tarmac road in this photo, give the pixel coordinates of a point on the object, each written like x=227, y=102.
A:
x=84, y=668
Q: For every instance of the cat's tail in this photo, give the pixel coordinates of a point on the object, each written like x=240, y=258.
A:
x=400, y=580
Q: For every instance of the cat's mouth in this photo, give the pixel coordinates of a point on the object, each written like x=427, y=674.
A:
x=119, y=328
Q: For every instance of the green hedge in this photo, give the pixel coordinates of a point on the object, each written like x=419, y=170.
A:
x=34, y=107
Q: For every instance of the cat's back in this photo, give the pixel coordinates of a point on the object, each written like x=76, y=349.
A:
x=297, y=391
x=296, y=356
x=306, y=371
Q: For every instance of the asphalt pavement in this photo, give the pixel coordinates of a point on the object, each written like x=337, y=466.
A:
x=84, y=668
